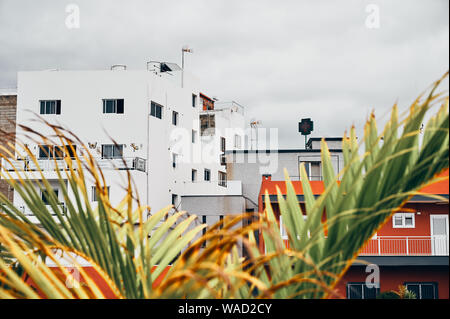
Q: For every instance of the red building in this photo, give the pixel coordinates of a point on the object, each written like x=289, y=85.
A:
x=411, y=249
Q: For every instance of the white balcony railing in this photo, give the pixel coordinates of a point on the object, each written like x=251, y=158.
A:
x=130, y=163
x=407, y=246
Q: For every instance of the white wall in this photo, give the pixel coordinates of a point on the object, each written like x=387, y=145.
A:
x=81, y=94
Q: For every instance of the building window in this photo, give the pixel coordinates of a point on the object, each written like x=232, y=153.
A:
x=54, y=151
x=207, y=124
x=174, y=200
x=237, y=141
x=221, y=221
x=174, y=118
x=95, y=195
x=204, y=230
x=194, y=136
x=174, y=160
x=46, y=196
x=50, y=107
x=222, y=179
x=45, y=151
x=194, y=100
x=222, y=144
x=207, y=175
x=423, y=290
x=359, y=290
x=223, y=160
x=403, y=220
x=156, y=110
x=113, y=106
x=194, y=175
x=313, y=170
x=112, y=151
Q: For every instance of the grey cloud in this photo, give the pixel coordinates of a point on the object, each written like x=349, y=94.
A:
x=283, y=60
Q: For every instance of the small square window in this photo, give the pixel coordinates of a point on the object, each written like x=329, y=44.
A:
x=403, y=220
x=45, y=196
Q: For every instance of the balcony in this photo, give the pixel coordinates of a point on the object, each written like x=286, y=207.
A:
x=407, y=246
x=48, y=165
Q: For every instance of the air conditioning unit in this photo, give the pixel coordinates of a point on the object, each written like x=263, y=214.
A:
x=139, y=164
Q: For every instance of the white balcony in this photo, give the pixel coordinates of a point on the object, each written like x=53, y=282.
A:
x=49, y=165
x=407, y=246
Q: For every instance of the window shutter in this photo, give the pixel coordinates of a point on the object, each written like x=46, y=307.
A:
x=42, y=111
x=120, y=108
x=58, y=107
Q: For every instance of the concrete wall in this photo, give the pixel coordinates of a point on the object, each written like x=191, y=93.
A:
x=8, y=107
x=250, y=166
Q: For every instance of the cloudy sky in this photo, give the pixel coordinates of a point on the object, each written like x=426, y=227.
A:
x=283, y=60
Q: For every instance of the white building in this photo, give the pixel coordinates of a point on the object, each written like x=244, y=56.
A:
x=152, y=119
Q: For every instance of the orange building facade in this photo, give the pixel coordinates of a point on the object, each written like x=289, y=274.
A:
x=411, y=248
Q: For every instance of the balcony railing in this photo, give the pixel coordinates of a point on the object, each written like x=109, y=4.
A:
x=127, y=163
x=407, y=246
x=310, y=178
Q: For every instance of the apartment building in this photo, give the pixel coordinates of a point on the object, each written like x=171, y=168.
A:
x=411, y=249
x=154, y=122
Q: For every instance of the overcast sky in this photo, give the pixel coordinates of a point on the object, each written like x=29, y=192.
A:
x=283, y=60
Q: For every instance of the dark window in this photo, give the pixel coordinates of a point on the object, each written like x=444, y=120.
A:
x=222, y=179
x=58, y=152
x=50, y=107
x=156, y=110
x=175, y=118
x=194, y=100
x=223, y=160
x=112, y=151
x=207, y=175
x=221, y=221
x=174, y=200
x=222, y=144
x=50, y=151
x=70, y=150
x=207, y=124
x=194, y=175
x=113, y=106
x=359, y=290
x=423, y=290
x=46, y=196
x=45, y=151
x=204, y=230
x=194, y=136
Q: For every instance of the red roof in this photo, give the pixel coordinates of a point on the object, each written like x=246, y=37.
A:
x=441, y=188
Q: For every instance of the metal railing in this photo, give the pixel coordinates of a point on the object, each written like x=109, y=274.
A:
x=126, y=163
x=407, y=246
